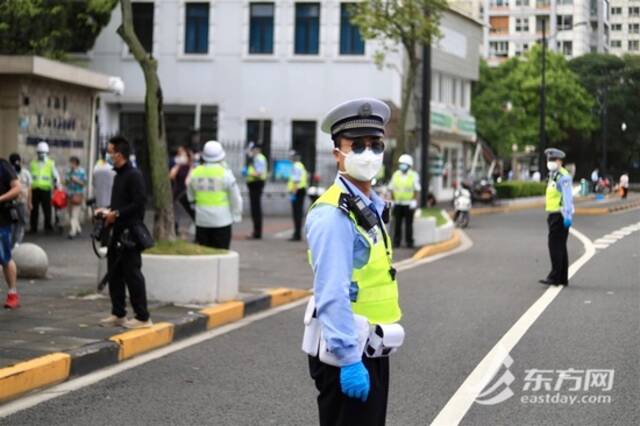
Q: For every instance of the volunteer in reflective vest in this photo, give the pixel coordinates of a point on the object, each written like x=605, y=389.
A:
x=405, y=185
x=256, y=176
x=559, y=205
x=355, y=289
x=297, y=187
x=45, y=178
x=214, y=190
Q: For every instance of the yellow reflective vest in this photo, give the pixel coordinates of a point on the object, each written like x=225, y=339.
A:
x=553, y=197
x=208, y=186
x=304, y=177
x=42, y=174
x=377, y=297
x=251, y=171
x=403, y=185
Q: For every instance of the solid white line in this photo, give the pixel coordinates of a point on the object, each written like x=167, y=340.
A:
x=75, y=384
x=605, y=241
x=461, y=401
x=601, y=246
x=613, y=236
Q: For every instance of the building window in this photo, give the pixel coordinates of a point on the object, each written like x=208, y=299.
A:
x=634, y=45
x=351, y=42
x=616, y=11
x=567, y=48
x=616, y=27
x=616, y=43
x=208, y=123
x=261, y=28
x=522, y=2
x=564, y=22
x=634, y=28
x=522, y=25
x=634, y=11
x=307, y=33
x=143, y=24
x=543, y=4
x=303, y=141
x=259, y=131
x=499, y=24
x=520, y=49
x=196, y=38
x=454, y=91
x=564, y=2
x=499, y=3
x=498, y=48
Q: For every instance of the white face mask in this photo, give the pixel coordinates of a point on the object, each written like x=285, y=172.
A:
x=181, y=160
x=364, y=166
x=552, y=166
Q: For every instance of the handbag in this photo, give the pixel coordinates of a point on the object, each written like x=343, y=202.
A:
x=59, y=199
x=142, y=237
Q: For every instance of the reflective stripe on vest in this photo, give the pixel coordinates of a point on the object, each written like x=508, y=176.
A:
x=42, y=174
x=377, y=297
x=552, y=195
x=208, y=186
x=304, y=179
x=251, y=170
x=403, y=186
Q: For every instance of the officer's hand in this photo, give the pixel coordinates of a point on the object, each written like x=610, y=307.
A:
x=110, y=217
x=354, y=381
x=567, y=222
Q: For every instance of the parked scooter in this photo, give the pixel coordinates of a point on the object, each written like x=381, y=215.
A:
x=483, y=190
x=462, y=206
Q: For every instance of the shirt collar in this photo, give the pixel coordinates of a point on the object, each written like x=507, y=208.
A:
x=373, y=199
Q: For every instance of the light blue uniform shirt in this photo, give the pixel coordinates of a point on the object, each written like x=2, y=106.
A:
x=337, y=248
x=565, y=186
x=259, y=164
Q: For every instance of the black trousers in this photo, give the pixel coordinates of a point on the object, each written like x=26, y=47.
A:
x=124, y=269
x=558, y=235
x=255, y=201
x=214, y=237
x=42, y=198
x=297, y=208
x=403, y=215
x=336, y=409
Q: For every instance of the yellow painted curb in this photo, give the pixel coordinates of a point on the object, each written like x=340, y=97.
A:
x=281, y=296
x=135, y=342
x=438, y=248
x=591, y=211
x=33, y=374
x=223, y=313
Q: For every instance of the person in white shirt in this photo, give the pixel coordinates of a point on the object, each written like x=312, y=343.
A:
x=24, y=200
x=624, y=185
x=218, y=203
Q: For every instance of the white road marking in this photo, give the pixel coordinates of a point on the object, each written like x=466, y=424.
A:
x=587, y=302
x=287, y=233
x=613, y=236
x=601, y=246
x=605, y=241
x=461, y=401
x=79, y=383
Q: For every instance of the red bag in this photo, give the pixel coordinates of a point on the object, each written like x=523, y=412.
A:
x=59, y=199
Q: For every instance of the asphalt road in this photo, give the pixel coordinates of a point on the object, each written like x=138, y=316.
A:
x=455, y=310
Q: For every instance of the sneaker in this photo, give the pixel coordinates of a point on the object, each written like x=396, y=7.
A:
x=13, y=301
x=134, y=323
x=113, y=321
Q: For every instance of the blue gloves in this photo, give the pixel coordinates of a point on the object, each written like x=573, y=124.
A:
x=567, y=222
x=354, y=381
x=292, y=198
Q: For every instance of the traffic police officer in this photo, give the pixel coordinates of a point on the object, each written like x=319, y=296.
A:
x=256, y=177
x=559, y=205
x=45, y=177
x=297, y=187
x=405, y=185
x=217, y=198
x=350, y=253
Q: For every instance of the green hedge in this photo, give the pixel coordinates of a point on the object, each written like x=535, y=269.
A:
x=517, y=189
x=434, y=212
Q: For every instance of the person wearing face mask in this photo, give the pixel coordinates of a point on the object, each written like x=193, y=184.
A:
x=559, y=205
x=355, y=288
x=45, y=178
x=297, y=188
x=183, y=163
x=405, y=186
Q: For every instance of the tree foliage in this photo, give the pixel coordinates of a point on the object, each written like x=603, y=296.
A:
x=407, y=23
x=506, y=102
x=51, y=28
x=615, y=85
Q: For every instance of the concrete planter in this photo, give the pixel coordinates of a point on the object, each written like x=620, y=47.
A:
x=191, y=279
x=426, y=232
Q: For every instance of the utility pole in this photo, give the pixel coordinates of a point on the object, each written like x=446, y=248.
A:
x=425, y=123
x=542, y=141
x=603, y=166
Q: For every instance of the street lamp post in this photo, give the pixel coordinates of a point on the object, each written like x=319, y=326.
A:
x=426, y=123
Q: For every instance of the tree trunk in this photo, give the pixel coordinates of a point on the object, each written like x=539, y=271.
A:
x=407, y=94
x=164, y=222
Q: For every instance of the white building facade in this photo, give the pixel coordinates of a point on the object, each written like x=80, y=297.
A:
x=572, y=27
x=240, y=71
x=625, y=27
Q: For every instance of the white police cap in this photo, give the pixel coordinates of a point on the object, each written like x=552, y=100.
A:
x=554, y=153
x=357, y=118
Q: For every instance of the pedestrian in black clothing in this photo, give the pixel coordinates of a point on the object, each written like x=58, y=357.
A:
x=125, y=260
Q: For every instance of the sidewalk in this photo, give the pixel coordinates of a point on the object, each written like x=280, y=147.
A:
x=61, y=312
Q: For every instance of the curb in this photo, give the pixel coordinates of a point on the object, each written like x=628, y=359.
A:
x=54, y=368
x=433, y=249
x=601, y=211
